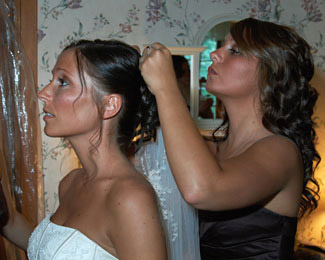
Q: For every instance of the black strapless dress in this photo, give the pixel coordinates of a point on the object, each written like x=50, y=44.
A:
x=251, y=233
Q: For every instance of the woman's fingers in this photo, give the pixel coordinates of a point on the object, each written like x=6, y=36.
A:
x=157, y=68
x=153, y=48
x=158, y=46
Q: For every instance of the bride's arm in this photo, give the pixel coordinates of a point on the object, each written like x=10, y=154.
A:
x=17, y=230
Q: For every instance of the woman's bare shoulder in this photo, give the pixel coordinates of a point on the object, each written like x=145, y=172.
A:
x=131, y=196
x=278, y=143
x=131, y=189
x=134, y=220
x=276, y=150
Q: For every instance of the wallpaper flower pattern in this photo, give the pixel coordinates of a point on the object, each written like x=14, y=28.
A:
x=173, y=22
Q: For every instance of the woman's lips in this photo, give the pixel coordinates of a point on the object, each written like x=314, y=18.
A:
x=47, y=115
x=211, y=71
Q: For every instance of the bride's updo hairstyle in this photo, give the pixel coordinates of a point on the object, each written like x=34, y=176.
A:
x=113, y=67
x=285, y=68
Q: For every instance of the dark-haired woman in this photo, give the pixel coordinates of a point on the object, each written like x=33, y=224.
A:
x=250, y=186
x=96, y=99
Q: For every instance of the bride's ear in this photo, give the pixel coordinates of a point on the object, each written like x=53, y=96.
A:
x=112, y=105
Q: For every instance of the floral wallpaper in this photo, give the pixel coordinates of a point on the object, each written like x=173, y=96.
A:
x=173, y=22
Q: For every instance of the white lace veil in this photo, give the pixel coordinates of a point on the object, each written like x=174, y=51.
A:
x=180, y=220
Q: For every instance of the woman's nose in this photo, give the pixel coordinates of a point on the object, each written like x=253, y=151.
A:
x=216, y=56
x=45, y=95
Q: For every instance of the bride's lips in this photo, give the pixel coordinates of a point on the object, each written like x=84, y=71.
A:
x=47, y=115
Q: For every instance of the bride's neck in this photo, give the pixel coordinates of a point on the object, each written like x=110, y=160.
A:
x=101, y=158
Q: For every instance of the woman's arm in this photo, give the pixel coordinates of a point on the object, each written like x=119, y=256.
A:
x=18, y=229
x=257, y=174
x=183, y=142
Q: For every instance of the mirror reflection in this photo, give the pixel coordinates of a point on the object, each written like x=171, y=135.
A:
x=186, y=63
x=209, y=105
x=182, y=66
x=183, y=75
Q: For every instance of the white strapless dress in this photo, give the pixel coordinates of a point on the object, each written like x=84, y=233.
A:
x=50, y=241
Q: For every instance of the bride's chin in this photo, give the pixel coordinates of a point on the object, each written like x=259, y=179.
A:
x=50, y=133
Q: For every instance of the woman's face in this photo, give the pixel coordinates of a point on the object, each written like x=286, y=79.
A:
x=231, y=73
x=69, y=110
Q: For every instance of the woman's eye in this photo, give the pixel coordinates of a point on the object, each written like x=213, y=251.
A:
x=234, y=51
x=62, y=82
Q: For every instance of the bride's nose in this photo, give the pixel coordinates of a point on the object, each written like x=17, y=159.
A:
x=45, y=94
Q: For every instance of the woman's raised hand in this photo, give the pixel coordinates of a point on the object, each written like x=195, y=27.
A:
x=157, y=68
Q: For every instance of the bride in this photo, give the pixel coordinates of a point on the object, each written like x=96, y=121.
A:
x=107, y=210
